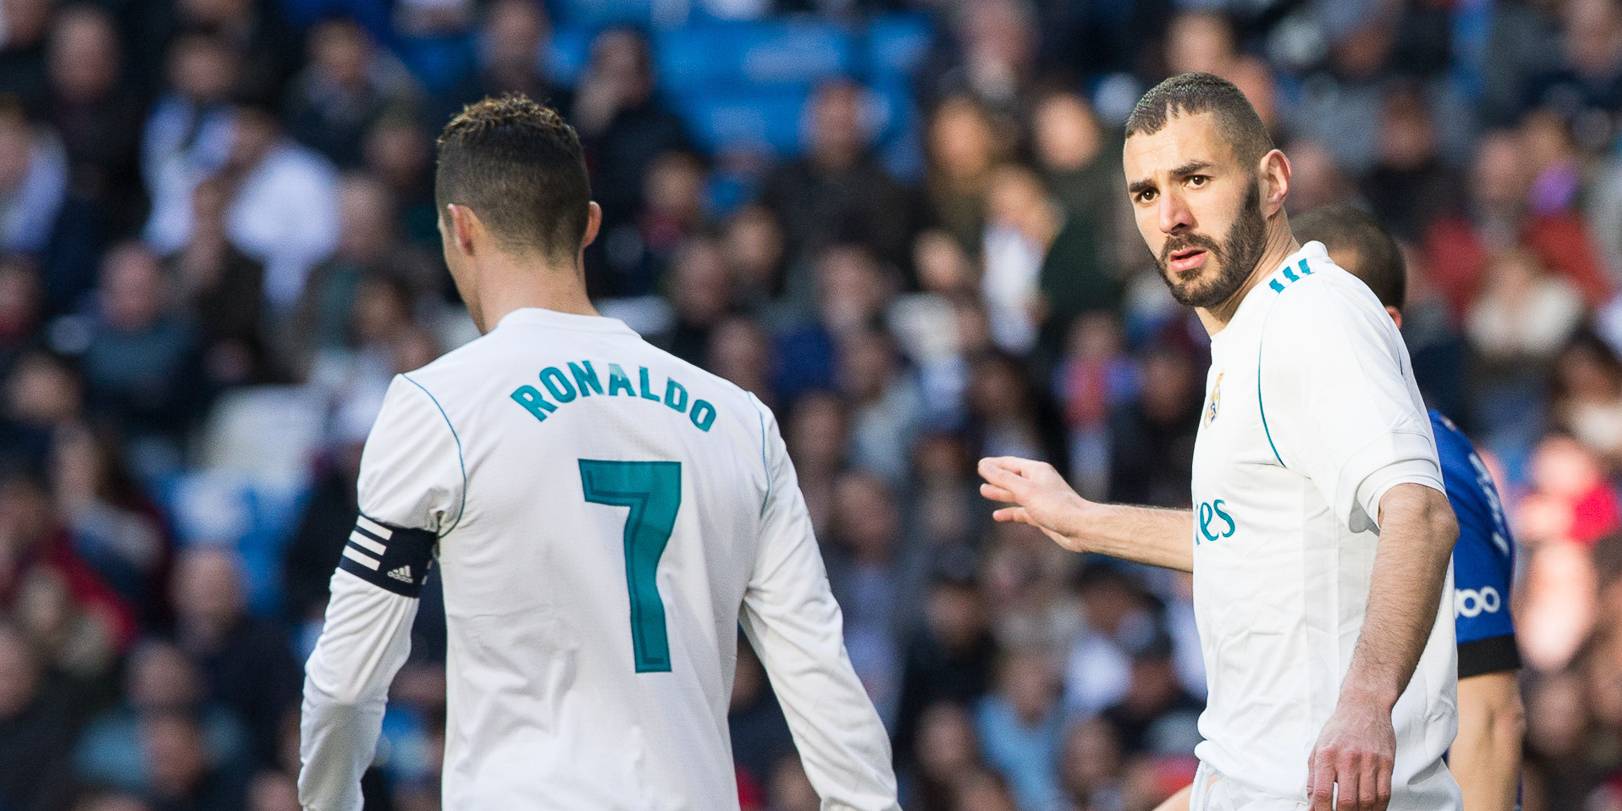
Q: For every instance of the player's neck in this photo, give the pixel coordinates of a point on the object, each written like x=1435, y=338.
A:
x=1280, y=245
x=510, y=285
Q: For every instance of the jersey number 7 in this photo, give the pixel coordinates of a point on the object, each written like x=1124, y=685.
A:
x=652, y=492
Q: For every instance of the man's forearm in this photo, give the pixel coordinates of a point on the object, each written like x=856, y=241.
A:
x=1486, y=755
x=1410, y=566
x=1150, y=535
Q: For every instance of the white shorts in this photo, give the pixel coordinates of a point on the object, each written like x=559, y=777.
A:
x=1214, y=792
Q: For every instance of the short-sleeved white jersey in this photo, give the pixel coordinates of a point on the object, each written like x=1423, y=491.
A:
x=605, y=517
x=1311, y=415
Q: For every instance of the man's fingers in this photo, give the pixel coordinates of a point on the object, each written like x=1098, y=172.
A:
x=1382, y=782
x=1368, y=784
x=1010, y=481
x=1321, y=781
x=1016, y=515
x=992, y=492
x=1024, y=468
x=1347, y=780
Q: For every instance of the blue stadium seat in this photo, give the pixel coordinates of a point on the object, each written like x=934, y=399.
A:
x=765, y=121
x=751, y=54
x=569, y=52
x=598, y=13
x=253, y=517
x=896, y=45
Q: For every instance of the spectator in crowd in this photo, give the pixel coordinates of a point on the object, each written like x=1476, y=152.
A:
x=346, y=88
x=33, y=181
x=35, y=729
x=513, y=37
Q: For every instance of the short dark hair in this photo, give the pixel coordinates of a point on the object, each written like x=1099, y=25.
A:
x=1195, y=93
x=1379, y=259
x=520, y=166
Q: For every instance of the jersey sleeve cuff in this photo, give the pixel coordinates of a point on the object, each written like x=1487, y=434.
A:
x=392, y=558
x=1404, y=458
x=1495, y=654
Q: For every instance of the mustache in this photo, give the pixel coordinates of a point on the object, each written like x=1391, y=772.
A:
x=1185, y=242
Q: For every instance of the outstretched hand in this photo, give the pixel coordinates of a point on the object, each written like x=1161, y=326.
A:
x=1037, y=496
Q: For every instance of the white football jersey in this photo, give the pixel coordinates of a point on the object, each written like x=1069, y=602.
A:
x=604, y=517
x=1311, y=415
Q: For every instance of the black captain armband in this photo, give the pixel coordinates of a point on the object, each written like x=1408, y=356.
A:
x=388, y=557
x=1494, y=654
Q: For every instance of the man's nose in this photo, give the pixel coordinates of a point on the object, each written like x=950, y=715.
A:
x=1174, y=214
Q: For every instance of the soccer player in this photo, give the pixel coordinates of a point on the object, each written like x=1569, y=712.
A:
x=1321, y=535
x=604, y=516
x=1486, y=755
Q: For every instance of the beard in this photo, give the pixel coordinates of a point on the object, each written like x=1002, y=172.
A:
x=1234, y=259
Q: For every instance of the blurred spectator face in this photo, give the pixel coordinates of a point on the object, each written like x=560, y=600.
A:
x=176, y=759
x=701, y=288
x=19, y=299
x=340, y=52
x=1499, y=177
x=996, y=389
x=19, y=673
x=961, y=140
x=852, y=289
x=943, y=266
x=1594, y=37
x=16, y=147
x=366, y=214
x=229, y=14
x=1407, y=140
x=1556, y=716
x=982, y=791
x=381, y=310
x=207, y=589
x=997, y=35
x=132, y=294
x=514, y=33
x=414, y=348
x=1092, y=757
x=78, y=468
x=1170, y=387
x=203, y=69
x=790, y=789
x=42, y=391
x=254, y=135
x=1316, y=180
x=866, y=514
x=84, y=54
x=1067, y=133
x=160, y=677
x=837, y=132
x=1563, y=468
x=1363, y=51
x=1199, y=41
x=867, y=364
x=397, y=152
x=816, y=432
x=273, y=791
x=674, y=187
x=753, y=244
x=1030, y=684
x=25, y=21
x=1017, y=200
x=1206, y=244
x=956, y=614
x=946, y=742
x=620, y=63
x=740, y=351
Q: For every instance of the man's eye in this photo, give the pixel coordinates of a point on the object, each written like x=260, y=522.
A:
x=1146, y=195
x=1197, y=181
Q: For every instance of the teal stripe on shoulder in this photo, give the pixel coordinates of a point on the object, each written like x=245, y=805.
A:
x=764, y=465
x=1262, y=407
x=460, y=461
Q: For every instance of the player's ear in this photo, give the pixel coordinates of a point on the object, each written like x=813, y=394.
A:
x=1396, y=315
x=462, y=225
x=594, y=221
x=1274, y=175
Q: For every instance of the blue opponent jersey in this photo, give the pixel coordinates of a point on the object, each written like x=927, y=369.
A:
x=1483, y=558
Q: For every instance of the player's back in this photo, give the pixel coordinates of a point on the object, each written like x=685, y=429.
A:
x=610, y=525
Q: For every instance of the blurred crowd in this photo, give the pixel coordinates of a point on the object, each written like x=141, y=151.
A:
x=218, y=243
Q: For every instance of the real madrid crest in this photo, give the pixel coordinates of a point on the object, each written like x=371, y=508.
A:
x=1216, y=400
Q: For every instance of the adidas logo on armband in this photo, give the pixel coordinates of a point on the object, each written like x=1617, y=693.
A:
x=402, y=574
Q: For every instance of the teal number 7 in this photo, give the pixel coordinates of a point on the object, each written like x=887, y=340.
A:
x=652, y=491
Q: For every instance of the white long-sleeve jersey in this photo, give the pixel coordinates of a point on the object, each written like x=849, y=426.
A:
x=604, y=517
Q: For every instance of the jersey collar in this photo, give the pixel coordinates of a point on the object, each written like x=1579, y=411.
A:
x=556, y=320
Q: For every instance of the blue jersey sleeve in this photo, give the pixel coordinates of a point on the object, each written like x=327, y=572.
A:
x=1483, y=558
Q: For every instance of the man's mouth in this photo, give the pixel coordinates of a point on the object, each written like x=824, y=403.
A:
x=1186, y=260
